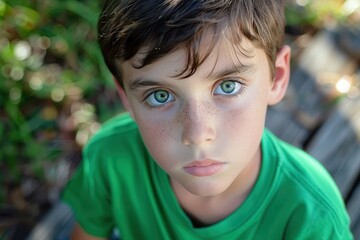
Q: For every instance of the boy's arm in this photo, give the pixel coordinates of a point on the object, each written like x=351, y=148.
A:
x=79, y=234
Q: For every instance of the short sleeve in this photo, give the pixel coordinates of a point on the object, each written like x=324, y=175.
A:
x=87, y=193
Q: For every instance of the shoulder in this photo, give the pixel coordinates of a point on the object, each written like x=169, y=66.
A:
x=313, y=198
x=304, y=172
x=300, y=169
x=117, y=146
x=118, y=133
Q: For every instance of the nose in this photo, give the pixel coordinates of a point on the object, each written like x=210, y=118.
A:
x=198, y=124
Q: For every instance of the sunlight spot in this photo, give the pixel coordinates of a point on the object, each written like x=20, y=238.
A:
x=302, y=2
x=35, y=60
x=15, y=94
x=350, y=6
x=343, y=85
x=40, y=42
x=16, y=73
x=88, y=107
x=57, y=94
x=82, y=136
x=36, y=82
x=22, y=50
x=94, y=127
x=74, y=92
x=82, y=113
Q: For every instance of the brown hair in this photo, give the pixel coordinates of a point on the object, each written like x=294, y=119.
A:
x=126, y=26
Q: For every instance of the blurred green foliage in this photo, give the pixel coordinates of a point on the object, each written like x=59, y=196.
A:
x=49, y=64
x=319, y=13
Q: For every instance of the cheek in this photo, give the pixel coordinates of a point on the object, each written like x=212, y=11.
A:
x=157, y=136
x=154, y=133
x=245, y=124
x=247, y=113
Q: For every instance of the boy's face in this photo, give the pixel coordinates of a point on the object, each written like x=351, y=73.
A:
x=204, y=130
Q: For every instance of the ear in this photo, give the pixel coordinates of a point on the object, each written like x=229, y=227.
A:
x=124, y=98
x=281, y=76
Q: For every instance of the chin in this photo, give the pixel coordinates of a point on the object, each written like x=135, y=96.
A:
x=206, y=189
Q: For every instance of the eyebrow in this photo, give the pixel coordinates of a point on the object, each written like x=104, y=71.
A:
x=142, y=82
x=236, y=69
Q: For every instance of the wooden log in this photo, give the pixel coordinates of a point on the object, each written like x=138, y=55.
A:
x=57, y=224
x=337, y=144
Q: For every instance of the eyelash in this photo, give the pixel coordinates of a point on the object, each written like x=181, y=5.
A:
x=239, y=92
x=153, y=91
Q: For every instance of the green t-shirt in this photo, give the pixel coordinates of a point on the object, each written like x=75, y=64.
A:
x=118, y=185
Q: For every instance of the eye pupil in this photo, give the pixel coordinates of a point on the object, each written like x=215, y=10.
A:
x=228, y=86
x=161, y=96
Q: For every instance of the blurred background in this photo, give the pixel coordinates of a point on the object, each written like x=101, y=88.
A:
x=55, y=92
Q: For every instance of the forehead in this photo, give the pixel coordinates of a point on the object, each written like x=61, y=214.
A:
x=218, y=55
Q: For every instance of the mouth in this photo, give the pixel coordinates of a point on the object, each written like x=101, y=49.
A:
x=204, y=168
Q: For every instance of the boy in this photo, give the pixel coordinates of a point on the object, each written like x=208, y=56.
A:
x=192, y=160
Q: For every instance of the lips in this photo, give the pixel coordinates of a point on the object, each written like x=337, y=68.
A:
x=204, y=168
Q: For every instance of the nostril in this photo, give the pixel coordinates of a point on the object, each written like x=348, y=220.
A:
x=198, y=134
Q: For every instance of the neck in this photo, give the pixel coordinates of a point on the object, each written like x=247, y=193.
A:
x=211, y=209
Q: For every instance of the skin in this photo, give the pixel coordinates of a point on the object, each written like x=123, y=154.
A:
x=79, y=234
x=217, y=114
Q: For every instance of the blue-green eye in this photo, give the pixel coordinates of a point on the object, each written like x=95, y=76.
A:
x=159, y=97
x=228, y=87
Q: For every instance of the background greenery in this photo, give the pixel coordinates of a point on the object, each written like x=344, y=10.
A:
x=55, y=90
x=52, y=75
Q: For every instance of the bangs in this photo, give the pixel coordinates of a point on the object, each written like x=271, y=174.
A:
x=162, y=26
x=197, y=49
